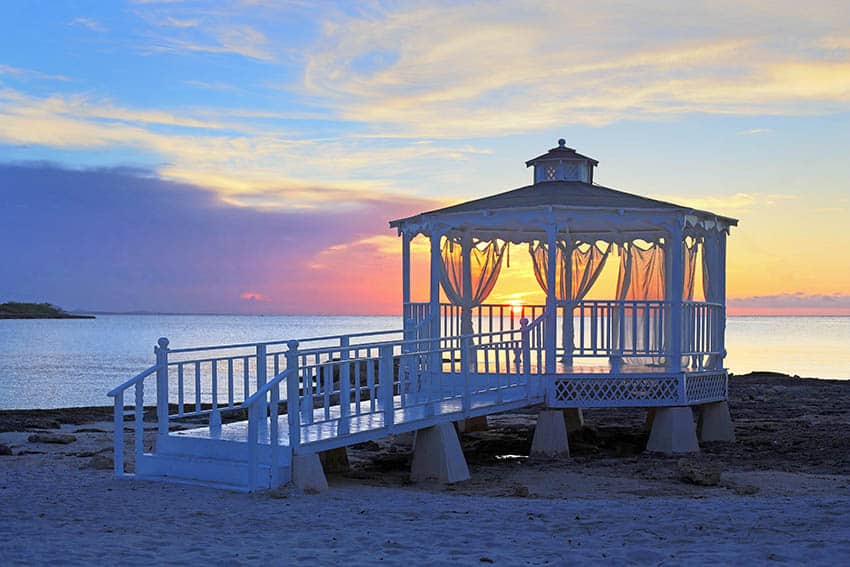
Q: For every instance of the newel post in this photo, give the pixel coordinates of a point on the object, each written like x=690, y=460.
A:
x=385, y=384
x=161, y=351
x=293, y=396
x=526, y=352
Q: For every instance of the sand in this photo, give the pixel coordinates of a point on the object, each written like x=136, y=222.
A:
x=783, y=495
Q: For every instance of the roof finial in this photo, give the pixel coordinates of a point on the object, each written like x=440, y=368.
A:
x=561, y=143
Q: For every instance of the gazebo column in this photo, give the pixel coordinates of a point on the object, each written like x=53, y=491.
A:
x=407, y=318
x=434, y=300
x=721, y=294
x=567, y=341
x=466, y=308
x=674, y=271
x=550, y=331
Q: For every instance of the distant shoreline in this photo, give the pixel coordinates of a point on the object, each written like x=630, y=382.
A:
x=19, y=310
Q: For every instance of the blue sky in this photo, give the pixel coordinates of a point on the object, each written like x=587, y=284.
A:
x=348, y=114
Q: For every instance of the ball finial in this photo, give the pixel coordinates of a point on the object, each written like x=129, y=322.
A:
x=162, y=342
x=561, y=143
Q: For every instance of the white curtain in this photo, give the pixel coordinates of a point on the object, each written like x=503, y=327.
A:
x=690, y=247
x=485, y=262
x=586, y=263
x=641, y=278
x=712, y=268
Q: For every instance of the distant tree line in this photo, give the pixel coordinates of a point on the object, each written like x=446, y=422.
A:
x=20, y=310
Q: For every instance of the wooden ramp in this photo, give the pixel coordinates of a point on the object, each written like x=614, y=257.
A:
x=219, y=456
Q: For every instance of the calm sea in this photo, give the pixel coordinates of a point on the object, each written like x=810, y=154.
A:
x=65, y=363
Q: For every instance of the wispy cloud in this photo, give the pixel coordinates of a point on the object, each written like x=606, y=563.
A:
x=754, y=131
x=235, y=39
x=25, y=74
x=734, y=203
x=90, y=24
x=501, y=67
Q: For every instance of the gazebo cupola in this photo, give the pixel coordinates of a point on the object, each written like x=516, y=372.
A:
x=562, y=164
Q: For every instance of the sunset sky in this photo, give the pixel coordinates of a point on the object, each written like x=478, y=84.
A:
x=245, y=156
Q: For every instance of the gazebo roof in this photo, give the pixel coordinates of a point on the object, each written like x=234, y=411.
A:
x=572, y=204
x=568, y=194
x=561, y=152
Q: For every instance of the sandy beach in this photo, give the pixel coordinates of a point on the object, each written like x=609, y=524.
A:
x=780, y=493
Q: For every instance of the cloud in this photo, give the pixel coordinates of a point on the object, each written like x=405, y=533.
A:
x=494, y=68
x=231, y=151
x=236, y=39
x=90, y=24
x=119, y=239
x=792, y=303
x=253, y=296
x=730, y=204
x=26, y=74
x=754, y=131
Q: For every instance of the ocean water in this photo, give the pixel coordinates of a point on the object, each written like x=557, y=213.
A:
x=74, y=362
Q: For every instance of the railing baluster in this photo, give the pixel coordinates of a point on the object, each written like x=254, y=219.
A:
x=246, y=383
x=180, y=389
x=230, y=382
x=198, y=407
x=139, y=421
x=370, y=381
x=214, y=378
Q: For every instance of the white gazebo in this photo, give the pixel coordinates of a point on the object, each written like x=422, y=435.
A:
x=651, y=345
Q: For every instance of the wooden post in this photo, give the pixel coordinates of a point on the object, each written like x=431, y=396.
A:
x=293, y=399
x=407, y=319
x=161, y=351
x=344, y=387
x=721, y=294
x=465, y=363
x=567, y=340
x=274, y=435
x=466, y=308
x=550, y=331
x=118, y=436
x=526, y=354
x=385, y=383
x=139, y=421
x=436, y=267
x=433, y=344
x=253, y=427
x=675, y=281
x=261, y=366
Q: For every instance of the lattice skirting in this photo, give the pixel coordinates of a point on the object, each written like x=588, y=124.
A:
x=708, y=387
x=638, y=391
x=616, y=392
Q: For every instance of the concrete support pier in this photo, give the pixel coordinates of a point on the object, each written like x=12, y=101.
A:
x=437, y=455
x=307, y=473
x=673, y=431
x=472, y=424
x=715, y=423
x=550, y=436
x=335, y=460
x=574, y=419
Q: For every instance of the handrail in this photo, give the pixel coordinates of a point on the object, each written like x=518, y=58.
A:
x=132, y=381
x=326, y=350
x=264, y=389
x=283, y=342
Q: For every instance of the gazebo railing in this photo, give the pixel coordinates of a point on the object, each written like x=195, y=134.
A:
x=601, y=328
